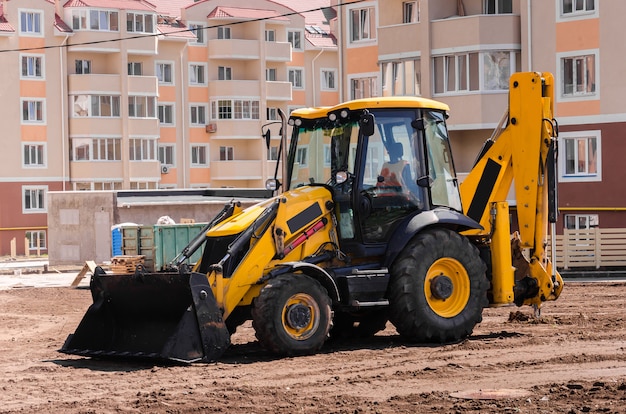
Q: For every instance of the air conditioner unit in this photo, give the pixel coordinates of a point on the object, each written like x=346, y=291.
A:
x=165, y=169
x=211, y=127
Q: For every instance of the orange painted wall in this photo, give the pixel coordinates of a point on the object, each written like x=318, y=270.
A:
x=578, y=35
x=168, y=134
x=34, y=133
x=297, y=59
x=578, y=108
x=362, y=59
x=167, y=93
x=199, y=175
x=199, y=94
x=197, y=54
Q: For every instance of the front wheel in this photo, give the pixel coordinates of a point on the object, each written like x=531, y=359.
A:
x=292, y=315
x=438, y=288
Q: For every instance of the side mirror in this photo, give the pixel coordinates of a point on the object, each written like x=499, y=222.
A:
x=367, y=124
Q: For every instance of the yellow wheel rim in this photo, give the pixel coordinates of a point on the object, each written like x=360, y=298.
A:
x=300, y=316
x=447, y=287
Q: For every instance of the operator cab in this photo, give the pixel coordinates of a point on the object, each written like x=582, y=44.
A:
x=384, y=161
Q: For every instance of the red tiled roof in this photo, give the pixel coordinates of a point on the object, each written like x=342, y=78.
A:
x=317, y=13
x=5, y=26
x=175, y=30
x=140, y=5
x=60, y=25
x=242, y=13
x=171, y=8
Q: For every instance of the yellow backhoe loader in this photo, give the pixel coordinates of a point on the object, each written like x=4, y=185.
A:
x=369, y=225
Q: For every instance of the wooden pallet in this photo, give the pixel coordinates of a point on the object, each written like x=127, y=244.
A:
x=126, y=264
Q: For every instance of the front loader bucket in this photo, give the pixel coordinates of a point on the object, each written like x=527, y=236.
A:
x=163, y=316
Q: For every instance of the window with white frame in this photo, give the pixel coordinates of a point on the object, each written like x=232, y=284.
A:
x=104, y=20
x=227, y=153
x=295, y=38
x=135, y=68
x=139, y=22
x=272, y=113
x=581, y=221
x=197, y=115
x=498, y=6
x=199, y=155
x=224, y=73
x=365, y=87
x=164, y=72
x=296, y=77
x=401, y=77
x=34, y=199
x=580, y=156
x=577, y=7
x=302, y=156
x=34, y=155
x=197, y=74
x=31, y=23
x=166, y=114
x=235, y=109
x=329, y=79
x=96, y=149
x=142, y=149
x=96, y=106
x=270, y=74
x=79, y=20
x=142, y=106
x=272, y=153
x=36, y=239
x=33, y=111
x=270, y=35
x=96, y=185
x=198, y=30
x=167, y=154
x=411, y=11
x=143, y=185
x=32, y=67
x=83, y=66
x=578, y=75
x=223, y=33
x=362, y=24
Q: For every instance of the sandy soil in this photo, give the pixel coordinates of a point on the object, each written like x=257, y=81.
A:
x=570, y=360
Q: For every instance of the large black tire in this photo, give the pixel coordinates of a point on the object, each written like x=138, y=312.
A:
x=366, y=325
x=438, y=288
x=292, y=315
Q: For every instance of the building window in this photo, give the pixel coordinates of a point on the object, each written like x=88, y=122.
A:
x=498, y=6
x=581, y=221
x=401, y=78
x=103, y=20
x=166, y=154
x=363, y=88
x=295, y=38
x=296, y=78
x=36, y=239
x=270, y=74
x=329, y=77
x=142, y=106
x=199, y=156
x=223, y=33
x=32, y=67
x=135, y=69
x=197, y=74
x=164, y=73
x=34, y=155
x=198, y=115
x=96, y=105
x=581, y=158
x=33, y=111
x=166, y=114
x=272, y=153
x=224, y=73
x=96, y=149
x=30, y=23
x=270, y=35
x=272, y=114
x=410, y=12
x=362, y=24
x=142, y=149
x=83, y=67
x=577, y=7
x=462, y=72
x=578, y=74
x=139, y=22
x=227, y=153
x=143, y=185
x=301, y=156
x=234, y=109
x=79, y=20
x=34, y=199
x=198, y=30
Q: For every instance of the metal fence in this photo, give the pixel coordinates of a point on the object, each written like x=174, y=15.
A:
x=592, y=248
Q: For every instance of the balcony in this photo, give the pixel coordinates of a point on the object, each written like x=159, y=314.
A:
x=95, y=82
x=236, y=129
x=143, y=126
x=96, y=170
x=237, y=170
x=143, y=85
x=87, y=41
x=278, y=91
x=470, y=31
x=234, y=49
x=144, y=169
x=487, y=109
x=393, y=39
x=278, y=51
x=224, y=88
x=89, y=126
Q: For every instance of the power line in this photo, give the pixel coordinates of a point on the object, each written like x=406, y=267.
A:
x=147, y=35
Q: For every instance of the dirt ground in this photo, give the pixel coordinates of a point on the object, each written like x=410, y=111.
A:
x=570, y=360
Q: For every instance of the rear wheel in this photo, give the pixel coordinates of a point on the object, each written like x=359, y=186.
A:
x=292, y=315
x=438, y=288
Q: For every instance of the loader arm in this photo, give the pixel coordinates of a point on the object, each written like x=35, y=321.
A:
x=522, y=154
